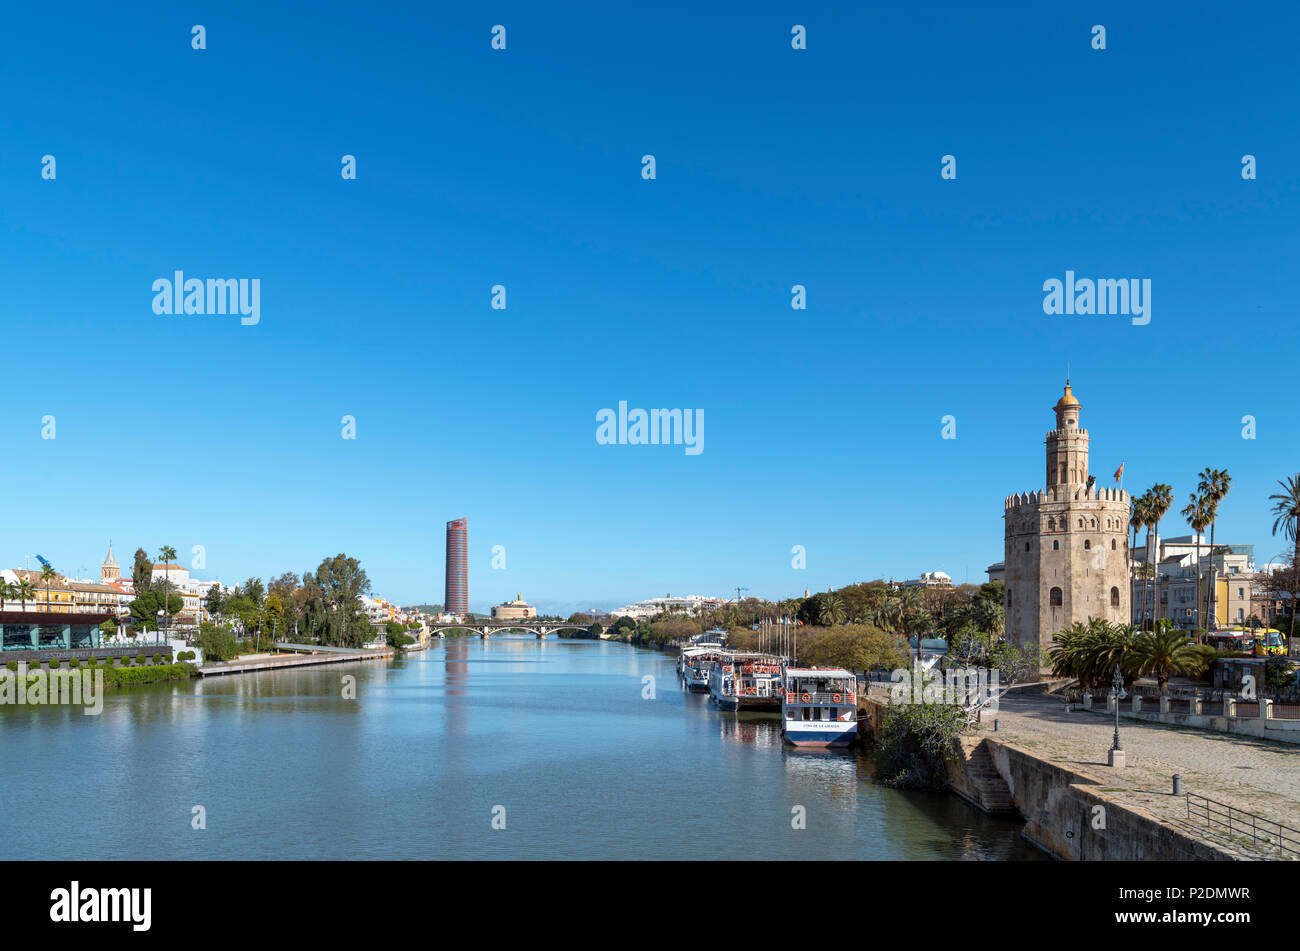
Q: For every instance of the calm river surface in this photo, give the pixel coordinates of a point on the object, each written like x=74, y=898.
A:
x=555, y=731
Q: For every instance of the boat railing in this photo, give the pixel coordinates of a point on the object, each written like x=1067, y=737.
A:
x=845, y=696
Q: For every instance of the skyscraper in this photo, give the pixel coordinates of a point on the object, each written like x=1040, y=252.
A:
x=456, y=600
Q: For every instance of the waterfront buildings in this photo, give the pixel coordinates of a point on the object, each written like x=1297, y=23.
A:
x=1184, y=573
x=928, y=579
x=514, y=610
x=456, y=595
x=691, y=604
x=1066, y=545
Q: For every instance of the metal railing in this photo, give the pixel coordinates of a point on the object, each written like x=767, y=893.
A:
x=845, y=696
x=1239, y=822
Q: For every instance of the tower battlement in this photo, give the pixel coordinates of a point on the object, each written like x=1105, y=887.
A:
x=1063, y=493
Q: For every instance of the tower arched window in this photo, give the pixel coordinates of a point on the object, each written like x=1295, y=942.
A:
x=1054, y=598
x=1026, y=546
x=1051, y=524
x=1087, y=544
x=1112, y=544
x=1114, y=597
x=1056, y=546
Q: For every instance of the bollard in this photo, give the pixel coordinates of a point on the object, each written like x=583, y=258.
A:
x=1178, y=785
x=997, y=724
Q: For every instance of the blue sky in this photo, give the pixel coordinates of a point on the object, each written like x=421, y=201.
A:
x=522, y=167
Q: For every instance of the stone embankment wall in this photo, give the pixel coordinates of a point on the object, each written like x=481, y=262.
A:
x=1068, y=814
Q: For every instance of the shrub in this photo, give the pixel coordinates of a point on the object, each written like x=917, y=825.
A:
x=139, y=660
x=916, y=741
x=12, y=665
x=54, y=663
x=157, y=658
x=74, y=663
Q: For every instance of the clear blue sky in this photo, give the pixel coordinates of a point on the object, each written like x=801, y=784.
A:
x=522, y=167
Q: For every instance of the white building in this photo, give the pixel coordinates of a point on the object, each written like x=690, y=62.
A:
x=691, y=604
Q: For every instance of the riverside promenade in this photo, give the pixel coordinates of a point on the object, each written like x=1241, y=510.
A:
x=1254, y=775
x=308, y=655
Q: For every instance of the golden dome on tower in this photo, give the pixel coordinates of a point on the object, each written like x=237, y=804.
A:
x=1067, y=399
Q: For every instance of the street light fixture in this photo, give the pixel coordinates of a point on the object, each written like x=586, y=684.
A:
x=1117, y=693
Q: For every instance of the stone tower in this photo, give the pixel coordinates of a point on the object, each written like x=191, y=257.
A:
x=108, y=568
x=1067, y=544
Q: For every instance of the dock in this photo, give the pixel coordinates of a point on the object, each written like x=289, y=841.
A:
x=302, y=655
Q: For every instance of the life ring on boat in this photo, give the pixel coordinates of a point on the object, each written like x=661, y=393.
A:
x=836, y=698
x=806, y=698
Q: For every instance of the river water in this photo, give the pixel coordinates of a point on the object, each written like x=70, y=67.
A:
x=553, y=739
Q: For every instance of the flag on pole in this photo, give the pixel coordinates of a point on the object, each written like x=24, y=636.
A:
x=1119, y=473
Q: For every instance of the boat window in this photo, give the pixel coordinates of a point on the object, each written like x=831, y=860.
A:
x=807, y=711
x=789, y=713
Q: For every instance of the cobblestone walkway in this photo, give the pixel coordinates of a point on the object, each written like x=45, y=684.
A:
x=1254, y=775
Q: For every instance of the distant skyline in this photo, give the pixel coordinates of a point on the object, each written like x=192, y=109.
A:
x=523, y=168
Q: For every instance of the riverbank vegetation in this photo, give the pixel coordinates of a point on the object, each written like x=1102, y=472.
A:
x=915, y=743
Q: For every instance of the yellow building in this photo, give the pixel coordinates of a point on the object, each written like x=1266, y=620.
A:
x=54, y=596
x=515, y=610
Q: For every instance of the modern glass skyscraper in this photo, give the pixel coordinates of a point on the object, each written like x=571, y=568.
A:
x=456, y=600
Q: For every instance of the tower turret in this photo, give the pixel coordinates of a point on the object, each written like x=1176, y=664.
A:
x=1067, y=445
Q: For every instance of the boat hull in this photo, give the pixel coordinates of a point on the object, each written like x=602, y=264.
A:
x=820, y=737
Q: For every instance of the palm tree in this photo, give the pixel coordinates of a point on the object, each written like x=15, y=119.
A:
x=48, y=574
x=832, y=609
x=1199, y=512
x=165, y=555
x=1091, y=652
x=1161, y=499
x=1166, y=652
x=1215, y=484
x=8, y=591
x=1286, y=508
x=1139, y=507
x=24, y=592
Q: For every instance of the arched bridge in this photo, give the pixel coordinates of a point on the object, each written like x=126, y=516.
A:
x=485, y=628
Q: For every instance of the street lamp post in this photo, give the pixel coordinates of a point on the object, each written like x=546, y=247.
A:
x=1117, y=693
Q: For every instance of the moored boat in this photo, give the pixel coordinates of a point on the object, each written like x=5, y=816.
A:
x=746, y=681
x=695, y=664
x=819, y=706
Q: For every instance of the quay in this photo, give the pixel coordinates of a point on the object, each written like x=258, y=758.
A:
x=1049, y=766
x=299, y=655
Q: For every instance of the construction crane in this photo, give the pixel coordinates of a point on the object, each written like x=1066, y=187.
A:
x=738, y=590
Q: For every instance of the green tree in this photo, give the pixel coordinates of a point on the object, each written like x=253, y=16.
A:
x=1160, y=499
x=214, y=601
x=856, y=647
x=48, y=574
x=167, y=554
x=217, y=643
x=141, y=571
x=1199, y=513
x=1286, y=512
x=8, y=592
x=1139, y=515
x=144, y=609
x=24, y=592
x=1214, y=485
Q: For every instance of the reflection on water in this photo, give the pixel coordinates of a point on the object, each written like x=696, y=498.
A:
x=556, y=731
